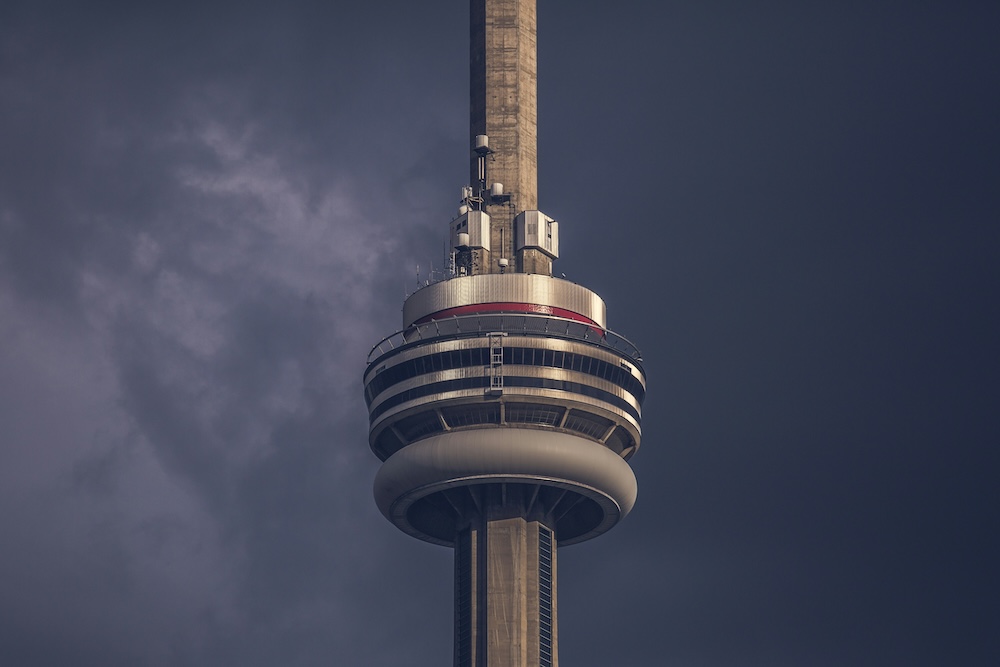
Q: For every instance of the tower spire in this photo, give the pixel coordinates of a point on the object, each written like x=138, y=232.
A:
x=503, y=85
x=504, y=109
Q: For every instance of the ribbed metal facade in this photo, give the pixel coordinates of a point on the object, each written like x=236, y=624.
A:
x=526, y=288
x=440, y=384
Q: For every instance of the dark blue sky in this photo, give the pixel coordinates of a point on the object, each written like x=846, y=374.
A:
x=209, y=212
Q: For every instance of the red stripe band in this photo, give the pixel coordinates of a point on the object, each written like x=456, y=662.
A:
x=505, y=307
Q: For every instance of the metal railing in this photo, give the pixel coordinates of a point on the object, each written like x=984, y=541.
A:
x=467, y=326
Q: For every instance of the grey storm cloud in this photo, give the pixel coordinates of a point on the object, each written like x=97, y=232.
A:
x=210, y=212
x=188, y=302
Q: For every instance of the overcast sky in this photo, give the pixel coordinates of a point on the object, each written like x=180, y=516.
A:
x=209, y=212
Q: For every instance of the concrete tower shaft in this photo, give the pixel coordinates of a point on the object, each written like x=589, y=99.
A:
x=503, y=87
x=504, y=108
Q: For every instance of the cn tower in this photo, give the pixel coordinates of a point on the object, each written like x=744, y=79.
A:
x=505, y=411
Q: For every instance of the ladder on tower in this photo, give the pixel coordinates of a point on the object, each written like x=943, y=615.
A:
x=496, y=363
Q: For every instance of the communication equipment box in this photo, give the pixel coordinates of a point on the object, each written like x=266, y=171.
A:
x=534, y=229
x=474, y=223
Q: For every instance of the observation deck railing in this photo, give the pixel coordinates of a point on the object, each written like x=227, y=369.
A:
x=468, y=326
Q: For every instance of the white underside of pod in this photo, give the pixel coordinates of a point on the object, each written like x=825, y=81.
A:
x=467, y=457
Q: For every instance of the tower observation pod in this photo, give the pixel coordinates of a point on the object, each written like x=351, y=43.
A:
x=505, y=411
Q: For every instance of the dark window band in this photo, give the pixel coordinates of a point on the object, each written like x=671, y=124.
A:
x=526, y=356
x=483, y=382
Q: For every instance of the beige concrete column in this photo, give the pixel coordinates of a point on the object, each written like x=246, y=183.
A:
x=504, y=106
x=503, y=94
x=500, y=606
x=507, y=593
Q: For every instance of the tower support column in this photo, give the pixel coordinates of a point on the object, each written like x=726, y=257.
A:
x=505, y=597
x=503, y=87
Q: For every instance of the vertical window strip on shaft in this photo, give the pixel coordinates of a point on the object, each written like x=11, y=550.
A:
x=545, y=596
x=463, y=599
